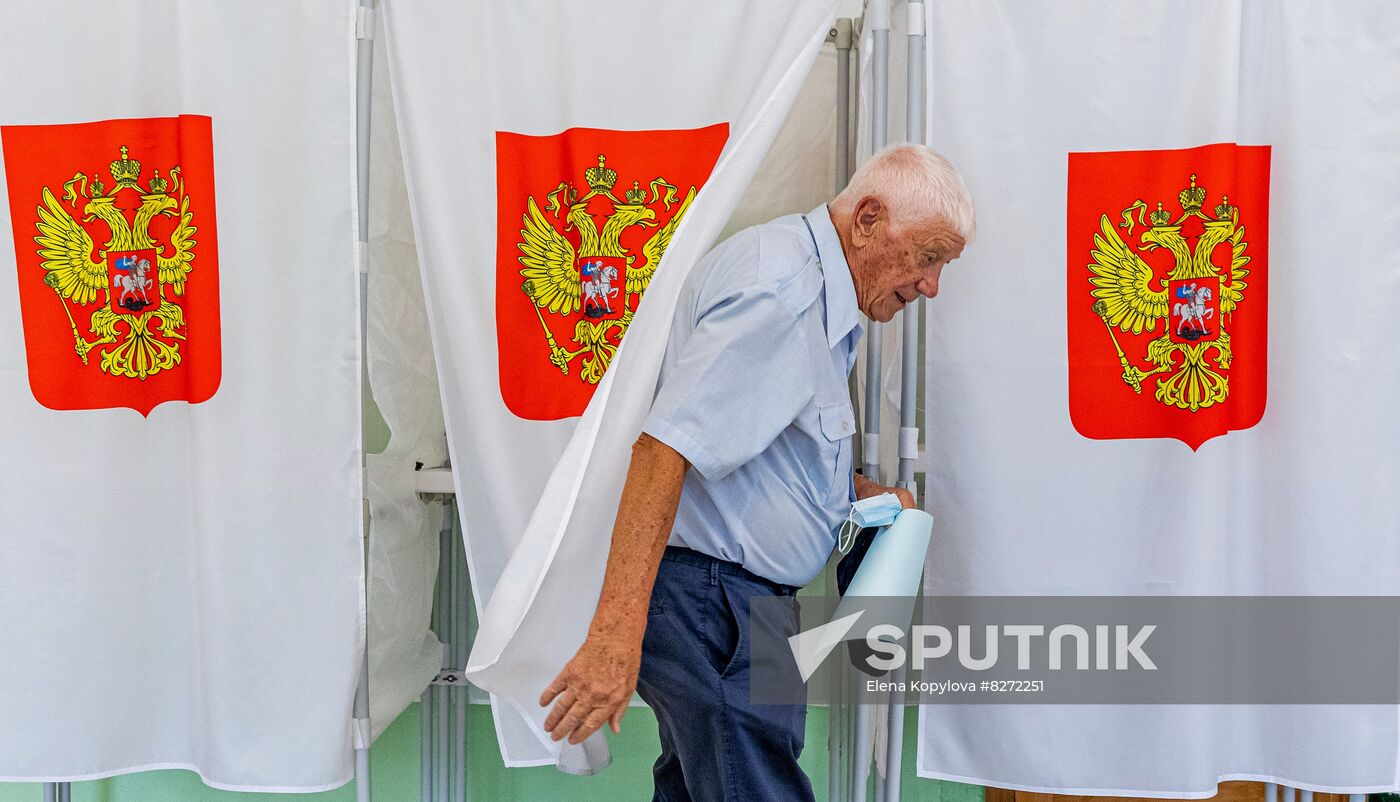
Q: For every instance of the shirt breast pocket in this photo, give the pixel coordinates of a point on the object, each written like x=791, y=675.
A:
x=838, y=426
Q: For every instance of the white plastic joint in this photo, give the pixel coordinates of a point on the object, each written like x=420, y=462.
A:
x=908, y=442
x=877, y=15
x=870, y=448
x=364, y=22
x=914, y=22
x=360, y=732
x=845, y=32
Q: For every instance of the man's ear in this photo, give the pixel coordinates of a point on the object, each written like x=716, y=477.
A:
x=867, y=218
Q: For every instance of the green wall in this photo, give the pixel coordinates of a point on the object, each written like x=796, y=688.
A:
x=394, y=765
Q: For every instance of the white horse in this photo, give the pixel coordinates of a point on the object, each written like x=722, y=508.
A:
x=1194, y=311
x=601, y=287
x=134, y=282
x=605, y=287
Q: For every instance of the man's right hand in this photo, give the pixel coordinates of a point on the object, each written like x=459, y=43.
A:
x=594, y=688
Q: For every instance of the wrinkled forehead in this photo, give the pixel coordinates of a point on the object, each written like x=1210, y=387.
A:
x=934, y=234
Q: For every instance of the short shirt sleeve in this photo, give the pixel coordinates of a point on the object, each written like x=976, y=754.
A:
x=739, y=380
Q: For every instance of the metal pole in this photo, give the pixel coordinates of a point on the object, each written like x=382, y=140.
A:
x=459, y=643
x=1288, y=793
x=877, y=18
x=835, y=732
x=425, y=745
x=50, y=792
x=864, y=731
x=909, y=354
x=894, y=742
x=844, y=35
x=909, y=374
x=1270, y=792
x=364, y=69
x=443, y=602
x=846, y=672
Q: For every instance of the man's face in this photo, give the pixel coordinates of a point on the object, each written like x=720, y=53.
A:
x=898, y=263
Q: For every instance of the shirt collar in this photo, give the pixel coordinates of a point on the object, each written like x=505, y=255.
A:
x=842, y=313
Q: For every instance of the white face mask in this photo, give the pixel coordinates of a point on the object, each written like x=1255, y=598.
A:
x=878, y=510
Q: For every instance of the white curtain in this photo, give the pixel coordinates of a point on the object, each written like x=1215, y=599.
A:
x=403, y=544
x=181, y=580
x=675, y=67
x=1302, y=502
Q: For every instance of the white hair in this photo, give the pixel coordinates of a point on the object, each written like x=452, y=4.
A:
x=915, y=184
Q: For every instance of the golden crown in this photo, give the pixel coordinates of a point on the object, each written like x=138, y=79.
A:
x=125, y=171
x=636, y=194
x=1224, y=211
x=600, y=178
x=1161, y=217
x=158, y=184
x=1192, y=197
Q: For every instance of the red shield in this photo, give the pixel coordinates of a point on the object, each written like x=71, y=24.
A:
x=1167, y=290
x=117, y=260
x=583, y=218
x=135, y=282
x=601, y=286
x=1194, y=309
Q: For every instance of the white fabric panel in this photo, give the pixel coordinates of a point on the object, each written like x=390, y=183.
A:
x=403, y=545
x=1304, y=502
x=799, y=172
x=734, y=62
x=185, y=589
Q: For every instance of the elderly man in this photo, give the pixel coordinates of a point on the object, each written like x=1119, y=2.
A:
x=743, y=472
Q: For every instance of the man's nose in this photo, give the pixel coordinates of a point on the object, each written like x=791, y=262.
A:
x=928, y=287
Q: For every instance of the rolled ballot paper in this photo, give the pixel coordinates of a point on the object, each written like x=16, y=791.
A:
x=895, y=561
x=881, y=592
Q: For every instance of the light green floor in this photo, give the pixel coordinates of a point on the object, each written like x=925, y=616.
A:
x=395, y=769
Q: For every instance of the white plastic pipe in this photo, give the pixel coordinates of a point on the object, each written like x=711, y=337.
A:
x=364, y=72
x=877, y=19
x=836, y=741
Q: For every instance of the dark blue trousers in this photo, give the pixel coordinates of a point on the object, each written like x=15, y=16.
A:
x=715, y=745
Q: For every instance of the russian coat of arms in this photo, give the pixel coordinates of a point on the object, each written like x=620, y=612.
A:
x=140, y=281
x=116, y=259
x=596, y=285
x=583, y=218
x=1192, y=303
x=1167, y=291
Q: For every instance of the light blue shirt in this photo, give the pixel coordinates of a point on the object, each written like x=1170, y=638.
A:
x=753, y=394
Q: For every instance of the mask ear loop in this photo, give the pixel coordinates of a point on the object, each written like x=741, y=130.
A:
x=846, y=535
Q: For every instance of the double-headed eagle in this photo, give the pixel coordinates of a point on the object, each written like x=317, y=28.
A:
x=552, y=268
x=80, y=279
x=1133, y=300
